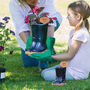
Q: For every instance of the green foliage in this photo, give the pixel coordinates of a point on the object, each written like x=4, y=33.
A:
x=4, y=31
x=4, y=37
x=2, y=61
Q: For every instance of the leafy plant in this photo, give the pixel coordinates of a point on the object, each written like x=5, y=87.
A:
x=5, y=33
x=36, y=17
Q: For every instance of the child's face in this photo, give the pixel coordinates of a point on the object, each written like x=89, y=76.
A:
x=72, y=17
x=32, y=2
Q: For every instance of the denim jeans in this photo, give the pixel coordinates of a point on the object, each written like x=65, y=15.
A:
x=30, y=62
x=50, y=74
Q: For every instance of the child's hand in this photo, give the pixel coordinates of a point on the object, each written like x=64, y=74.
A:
x=63, y=63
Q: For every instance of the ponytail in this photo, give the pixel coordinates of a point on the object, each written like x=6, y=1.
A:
x=83, y=9
x=87, y=24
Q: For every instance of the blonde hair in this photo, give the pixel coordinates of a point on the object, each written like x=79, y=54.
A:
x=21, y=1
x=83, y=9
x=31, y=1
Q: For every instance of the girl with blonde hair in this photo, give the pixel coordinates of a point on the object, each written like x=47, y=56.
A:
x=78, y=54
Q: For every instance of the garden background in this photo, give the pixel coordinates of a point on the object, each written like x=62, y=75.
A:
x=21, y=78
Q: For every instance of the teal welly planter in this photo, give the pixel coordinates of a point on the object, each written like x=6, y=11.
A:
x=60, y=76
x=39, y=36
x=2, y=74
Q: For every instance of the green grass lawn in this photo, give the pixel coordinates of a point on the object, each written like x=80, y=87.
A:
x=21, y=78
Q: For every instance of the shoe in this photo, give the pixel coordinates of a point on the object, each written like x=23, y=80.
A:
x=58, y=82
x=60, y=77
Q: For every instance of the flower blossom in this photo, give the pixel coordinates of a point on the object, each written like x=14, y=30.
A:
x=13, y=33
x=36, y=9
x=54, y=18
x=1, y=48
x=11, y=52
x=1, y=23
x=6, y=19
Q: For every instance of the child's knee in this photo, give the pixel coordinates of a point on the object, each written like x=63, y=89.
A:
x=45, y=75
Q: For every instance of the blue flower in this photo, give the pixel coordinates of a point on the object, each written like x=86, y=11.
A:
x=1, y=23
x=13, y=33
x=6, y=19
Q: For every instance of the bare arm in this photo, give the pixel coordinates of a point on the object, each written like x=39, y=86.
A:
x=50, y=31
x=75, y=45
x=24, y=35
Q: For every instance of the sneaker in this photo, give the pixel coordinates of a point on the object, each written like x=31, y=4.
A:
x=58, y=82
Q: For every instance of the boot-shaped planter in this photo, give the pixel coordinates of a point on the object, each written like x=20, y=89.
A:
x=34, y=38
x=2, y=74
x=41, y=38
x=60, y=76
x=39, y=35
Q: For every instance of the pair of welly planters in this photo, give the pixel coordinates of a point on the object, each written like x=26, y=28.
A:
x=39, y=36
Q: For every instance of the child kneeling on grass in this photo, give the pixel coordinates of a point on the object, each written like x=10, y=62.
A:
x=78, y=55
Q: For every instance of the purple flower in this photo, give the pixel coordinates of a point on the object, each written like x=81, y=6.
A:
x=11, y=52
x=13, y=33
x=1, y=23
x=6, y=19
x=1, y=48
